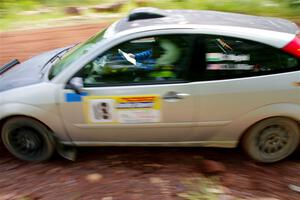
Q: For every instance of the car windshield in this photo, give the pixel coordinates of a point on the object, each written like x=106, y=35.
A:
x=68, y=58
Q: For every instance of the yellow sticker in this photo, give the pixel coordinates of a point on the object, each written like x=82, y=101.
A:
x=122, y=109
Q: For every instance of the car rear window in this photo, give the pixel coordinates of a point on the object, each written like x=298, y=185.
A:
x=228, y=57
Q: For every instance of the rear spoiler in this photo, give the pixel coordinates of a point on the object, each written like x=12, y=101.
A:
x=9, y=65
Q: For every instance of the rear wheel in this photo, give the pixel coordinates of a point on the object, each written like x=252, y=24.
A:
x=28, y=139
x=272, y=139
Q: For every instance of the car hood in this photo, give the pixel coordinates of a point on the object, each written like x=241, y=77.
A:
x=27, y=73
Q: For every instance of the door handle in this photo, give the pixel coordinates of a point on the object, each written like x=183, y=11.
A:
x=174, y=96
x=183, y=95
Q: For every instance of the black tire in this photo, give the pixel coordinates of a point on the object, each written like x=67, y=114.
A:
x=272, y=139
x=28, y=139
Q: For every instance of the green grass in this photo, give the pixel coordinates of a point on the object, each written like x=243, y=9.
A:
x=15, y=21
x=11, y=10
x=257, y=7
x=203, y=188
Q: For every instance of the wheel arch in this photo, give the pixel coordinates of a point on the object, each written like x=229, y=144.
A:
x=235, y=131
x=5, y=119
x=51, y=120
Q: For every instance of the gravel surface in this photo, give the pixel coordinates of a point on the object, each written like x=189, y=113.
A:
x=25, y=44
x=144, y=173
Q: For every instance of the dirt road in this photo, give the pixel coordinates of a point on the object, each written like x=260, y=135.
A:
x=143, y=173
x=25, y=44
x=132, y=173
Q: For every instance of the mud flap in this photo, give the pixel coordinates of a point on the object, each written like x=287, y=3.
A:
x=67, y=152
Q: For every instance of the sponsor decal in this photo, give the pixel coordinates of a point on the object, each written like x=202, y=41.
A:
x=122, y=109
x=218, y=57
x=229, y=67
x=73, y=97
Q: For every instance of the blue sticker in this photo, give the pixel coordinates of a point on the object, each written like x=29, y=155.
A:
x=73, y=97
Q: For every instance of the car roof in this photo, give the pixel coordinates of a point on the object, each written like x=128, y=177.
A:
x=145, y=17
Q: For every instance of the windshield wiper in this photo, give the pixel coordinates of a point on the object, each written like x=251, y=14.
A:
x=9, y=65
x=56, y=56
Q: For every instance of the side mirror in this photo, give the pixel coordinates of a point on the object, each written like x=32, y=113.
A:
x=76, y=84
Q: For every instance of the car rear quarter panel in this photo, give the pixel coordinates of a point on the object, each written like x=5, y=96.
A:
x=240, y=103
x=235, y=130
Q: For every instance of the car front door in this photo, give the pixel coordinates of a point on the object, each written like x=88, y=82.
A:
x=137, y=92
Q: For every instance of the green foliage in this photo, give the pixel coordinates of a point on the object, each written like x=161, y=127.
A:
x=295, y=3
x=202, y=188
x=12, y=11
x=260, y=7
x=257, y=7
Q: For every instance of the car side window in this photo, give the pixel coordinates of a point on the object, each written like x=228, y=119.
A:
x=228, y=57
x=155, y=59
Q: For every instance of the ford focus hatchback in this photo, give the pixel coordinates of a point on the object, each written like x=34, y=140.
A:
x=160, y=78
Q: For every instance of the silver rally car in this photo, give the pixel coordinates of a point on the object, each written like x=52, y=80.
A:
x=160, y=78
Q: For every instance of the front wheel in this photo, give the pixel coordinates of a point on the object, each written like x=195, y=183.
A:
x=28, y=139
x=272, y=139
